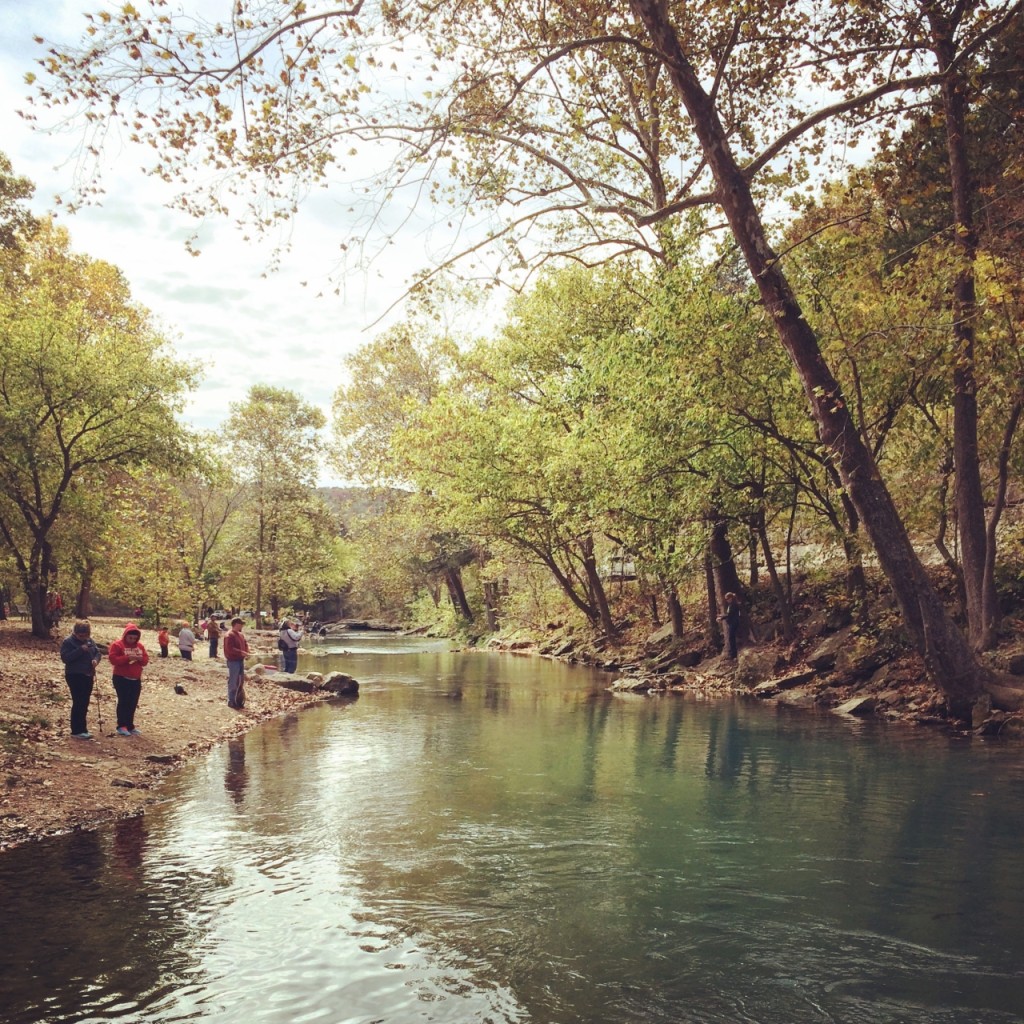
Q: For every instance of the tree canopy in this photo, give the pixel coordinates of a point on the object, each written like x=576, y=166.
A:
x=87, y=383
x=584, y=131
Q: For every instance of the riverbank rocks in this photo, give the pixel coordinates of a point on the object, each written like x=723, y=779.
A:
x=1003, y=724
x=298, y=685
x=755, y=664
x=637, y=684
x=824, y=656
x=773, y=687
x=340, y=684
x=857, y=706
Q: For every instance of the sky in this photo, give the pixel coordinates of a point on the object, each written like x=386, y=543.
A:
x=223, y=310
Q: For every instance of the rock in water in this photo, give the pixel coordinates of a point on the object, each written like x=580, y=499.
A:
x=341, y=684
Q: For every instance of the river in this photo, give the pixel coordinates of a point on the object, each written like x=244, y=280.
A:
x=497, y=839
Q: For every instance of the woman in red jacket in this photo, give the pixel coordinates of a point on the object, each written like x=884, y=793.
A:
x=128, y=657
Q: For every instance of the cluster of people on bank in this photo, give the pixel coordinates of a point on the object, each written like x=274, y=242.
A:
x=128, y=656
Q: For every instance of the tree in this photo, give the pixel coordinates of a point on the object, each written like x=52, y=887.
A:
x=276, y=449
x=391, y=381
x=87, y=382
x=15, y=219
x=611, y=118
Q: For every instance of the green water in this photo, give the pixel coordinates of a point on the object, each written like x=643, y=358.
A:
x=495, y=839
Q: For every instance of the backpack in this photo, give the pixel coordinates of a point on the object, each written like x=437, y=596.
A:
x=281, y=645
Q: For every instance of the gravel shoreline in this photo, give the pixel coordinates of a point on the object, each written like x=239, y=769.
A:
x=53, y=783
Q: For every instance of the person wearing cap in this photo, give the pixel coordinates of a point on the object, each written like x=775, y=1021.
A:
x=236, y=649
x=212, y=634
x=80, y=656
x=128, y=657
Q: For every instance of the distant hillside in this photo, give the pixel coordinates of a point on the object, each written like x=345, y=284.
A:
x=357, y=502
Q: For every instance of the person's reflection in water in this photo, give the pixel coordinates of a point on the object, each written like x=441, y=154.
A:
x=83, y=858
x=236, y=778
x=288, y=730
x=130, y=848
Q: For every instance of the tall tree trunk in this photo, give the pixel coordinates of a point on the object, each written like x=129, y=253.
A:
x=714, y=629
x=675, y=611
x=991, y=613
x=457, y=593
x=37, y=585
x=491, y=606
x=970, y=500
x=781, y=599
x=727, y=579
x=567, y=585
x=597, y=592
x=652, y=603
x=948, y=657
x=83, y=603
x=856, y=581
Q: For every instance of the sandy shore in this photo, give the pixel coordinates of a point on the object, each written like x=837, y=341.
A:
x=53, y=783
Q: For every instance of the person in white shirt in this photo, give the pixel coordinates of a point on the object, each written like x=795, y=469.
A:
x=186, y=641
x=288, y=641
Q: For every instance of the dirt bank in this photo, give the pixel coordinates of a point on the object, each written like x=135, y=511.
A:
x=52, y=783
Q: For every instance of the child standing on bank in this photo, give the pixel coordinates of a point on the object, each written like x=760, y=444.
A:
x=163, y=638
x=80, y=656
x=128, y=657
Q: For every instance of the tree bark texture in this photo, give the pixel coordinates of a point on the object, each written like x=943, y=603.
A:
x=970, y=501
x=675, y=611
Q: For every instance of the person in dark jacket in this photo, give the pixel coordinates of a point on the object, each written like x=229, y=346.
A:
x=128, y=657
x=80, y=656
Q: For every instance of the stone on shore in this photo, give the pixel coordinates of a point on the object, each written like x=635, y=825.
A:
x=340, y=684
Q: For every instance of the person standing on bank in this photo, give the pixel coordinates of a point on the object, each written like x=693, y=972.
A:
x=163, y=638
x=80, y=656
x=186, y=641
x=212, y=634
x=236, y=649
x=128, y=657
x=731, y=618
x=288, y=641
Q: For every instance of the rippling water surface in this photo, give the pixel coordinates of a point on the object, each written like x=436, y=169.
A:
x=497, y=839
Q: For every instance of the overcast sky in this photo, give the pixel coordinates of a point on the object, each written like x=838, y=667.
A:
x=221, y=308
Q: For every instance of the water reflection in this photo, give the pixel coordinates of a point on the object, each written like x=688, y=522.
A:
x=235, y=778
x=496, y=839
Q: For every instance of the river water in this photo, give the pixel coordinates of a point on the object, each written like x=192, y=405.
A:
x=483, y=838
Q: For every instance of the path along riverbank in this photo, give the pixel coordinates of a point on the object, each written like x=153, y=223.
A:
x=51, y=783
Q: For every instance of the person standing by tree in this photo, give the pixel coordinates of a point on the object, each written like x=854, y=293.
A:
x=80, y=656
x=163, y=638
x=289, y=640
x=128, y=657
x=186, y=641
x=212, y=634
x=236, y=648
